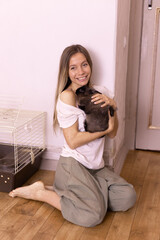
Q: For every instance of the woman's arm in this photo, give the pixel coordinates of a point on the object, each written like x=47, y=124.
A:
x=73, y=136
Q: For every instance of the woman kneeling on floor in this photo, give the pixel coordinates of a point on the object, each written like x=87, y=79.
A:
x=84, y=188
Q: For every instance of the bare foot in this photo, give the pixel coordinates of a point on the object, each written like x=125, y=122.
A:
x=29, y=192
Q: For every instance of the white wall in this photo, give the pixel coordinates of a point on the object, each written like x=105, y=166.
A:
x=33, y=34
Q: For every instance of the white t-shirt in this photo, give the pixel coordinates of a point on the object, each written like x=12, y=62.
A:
x=91, y=154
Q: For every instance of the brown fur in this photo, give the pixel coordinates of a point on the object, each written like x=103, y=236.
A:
x=96, y=116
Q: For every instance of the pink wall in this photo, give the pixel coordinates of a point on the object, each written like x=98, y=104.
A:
x=33, y=34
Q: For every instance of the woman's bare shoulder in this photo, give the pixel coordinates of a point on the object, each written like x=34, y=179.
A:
x=68, y=97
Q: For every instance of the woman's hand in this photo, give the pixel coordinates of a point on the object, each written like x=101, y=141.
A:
x=101, y=98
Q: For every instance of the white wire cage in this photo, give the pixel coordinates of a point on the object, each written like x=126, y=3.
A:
x=22, y=137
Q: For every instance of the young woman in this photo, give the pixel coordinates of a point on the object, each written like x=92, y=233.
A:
x=84, y=189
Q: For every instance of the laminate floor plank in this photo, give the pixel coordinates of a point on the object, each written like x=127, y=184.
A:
x=69, y=231
x=35, y=223
x=50, y=228
x=12, y=224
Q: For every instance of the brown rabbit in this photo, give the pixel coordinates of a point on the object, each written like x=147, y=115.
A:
x=96, y=116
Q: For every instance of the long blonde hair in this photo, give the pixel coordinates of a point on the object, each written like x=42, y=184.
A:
x=63, y=75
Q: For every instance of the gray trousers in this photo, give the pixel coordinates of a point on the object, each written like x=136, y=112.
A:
x=87, y=194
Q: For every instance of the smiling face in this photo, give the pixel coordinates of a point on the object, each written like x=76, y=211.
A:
x=79, y=71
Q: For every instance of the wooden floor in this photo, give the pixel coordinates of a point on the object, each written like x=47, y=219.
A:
x=27, y=220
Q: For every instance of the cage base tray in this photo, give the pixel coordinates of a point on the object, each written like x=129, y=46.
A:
x=10, y=180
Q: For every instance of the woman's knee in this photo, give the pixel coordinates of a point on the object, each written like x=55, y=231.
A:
x=86, y=216
x=122, y=199
x=93, y=218
x=130, y=198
